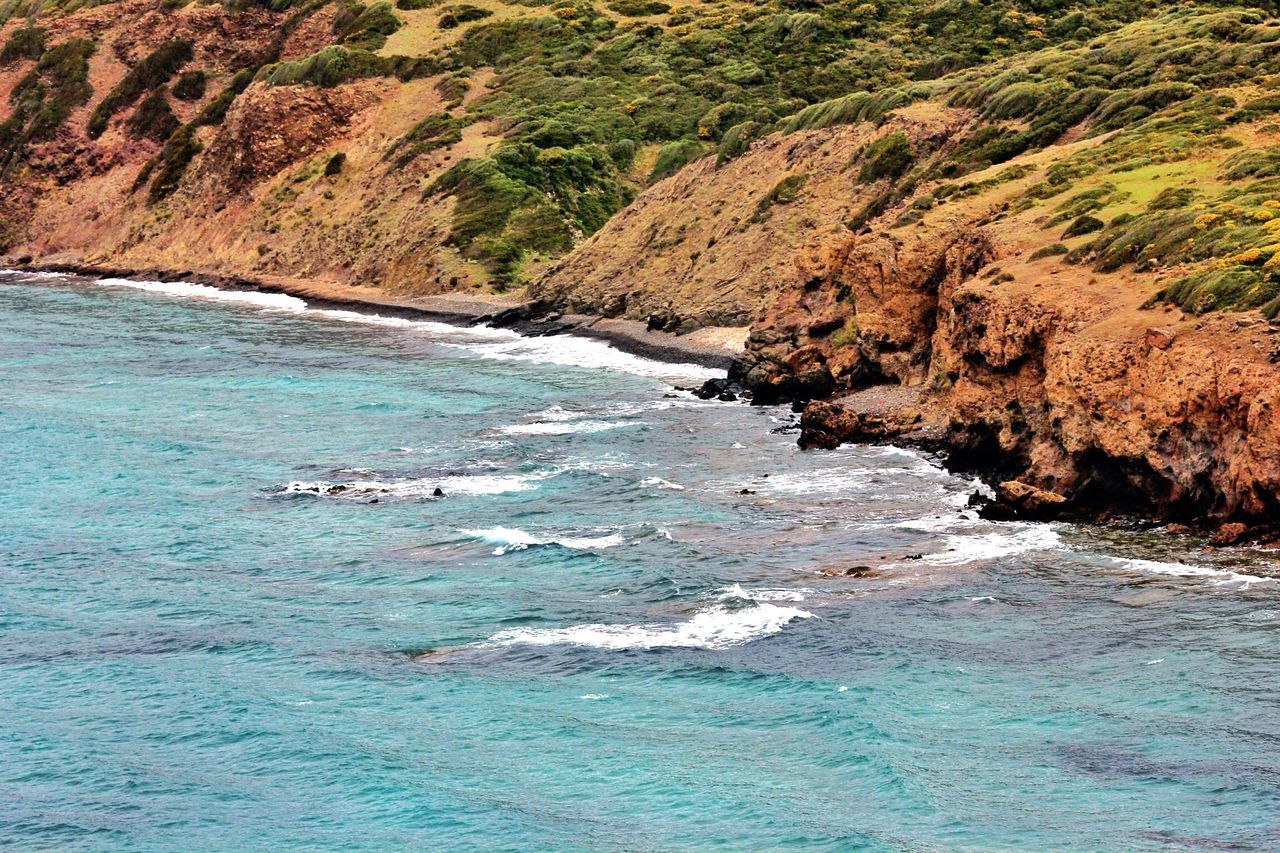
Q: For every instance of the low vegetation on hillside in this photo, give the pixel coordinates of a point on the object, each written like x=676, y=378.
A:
x=591, y=101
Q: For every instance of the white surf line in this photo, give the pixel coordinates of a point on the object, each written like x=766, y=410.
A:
x=499, y=344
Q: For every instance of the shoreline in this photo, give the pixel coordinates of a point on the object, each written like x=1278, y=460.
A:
x=713, y=347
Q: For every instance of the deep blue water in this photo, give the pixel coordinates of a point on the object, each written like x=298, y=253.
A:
x=232, y=616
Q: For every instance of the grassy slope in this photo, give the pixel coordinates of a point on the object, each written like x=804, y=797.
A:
x=571, y=108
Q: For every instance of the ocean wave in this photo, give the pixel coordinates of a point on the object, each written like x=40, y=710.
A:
x=273, y=301
x=458, y=484
x=32, y=274
x=515, y=539
x=738, y=591
x=659, y=483
x=823, y=481
x=574, y=351
x=485, y=341
x=565, y=427
x=1004, y=542
x=716, y=627
x=1219, y=577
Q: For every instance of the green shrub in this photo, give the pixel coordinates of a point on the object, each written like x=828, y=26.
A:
x=370, y=28
x=888, y=157
x=26, y=43
x=850, y=109
x=639, y=8
x=153, y=119
x=1083, y=225
x=1258, y=108
x=1254, y=163
x=1237, y=287
x=326, y=68
x=453, y=88
x=737, y=139
x=623, y=153
x=153, y=71
x=171, y=164
x=674, y=156
x=462, y=13
x=435, y=131
x=785, y=191
x=334, y=165
x=1125, y=107
x=1049, y=251
x=190, y=85
x=1172, y=198
x=412, y=5
x=43, y=98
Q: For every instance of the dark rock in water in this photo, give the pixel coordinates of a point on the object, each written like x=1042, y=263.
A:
x=433, y=655
x=1180, y=529
x=1017, y=500
x=841, y=572
x=375, y=501
x=335, y=490
x=826, y=424
x=525, y=313
x=914, y=557
x=438, y=493
x=721, y=388
x=746, y=492
x=1228, y=534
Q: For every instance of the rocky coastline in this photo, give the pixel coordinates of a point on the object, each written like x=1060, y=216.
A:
x=832, y=409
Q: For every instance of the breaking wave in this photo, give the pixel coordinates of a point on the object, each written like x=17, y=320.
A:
x=515, y=539
x=716, y=627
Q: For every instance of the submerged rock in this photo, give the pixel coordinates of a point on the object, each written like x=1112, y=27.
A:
x=1019, y=500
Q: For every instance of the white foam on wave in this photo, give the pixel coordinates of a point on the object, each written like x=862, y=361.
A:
x=569, y=350
x=659, y=483
x=823, y=481
x=272, y=301
x=37, y=275
x=1219, y=577
x=458, y=484
x=738, y=591
x=514, y=539
x=574, y=351
x=1006, y=541
x=716, y=627
x=367, y=319
x=565, y=427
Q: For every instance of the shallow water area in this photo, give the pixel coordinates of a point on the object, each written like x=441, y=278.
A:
x=234, y=611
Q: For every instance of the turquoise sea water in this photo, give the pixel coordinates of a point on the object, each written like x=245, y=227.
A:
x=232, y=617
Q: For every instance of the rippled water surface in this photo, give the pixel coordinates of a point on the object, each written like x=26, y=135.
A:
x=233, y=615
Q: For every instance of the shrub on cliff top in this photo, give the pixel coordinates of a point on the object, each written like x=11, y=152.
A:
x=674, y=156
x=369, y=29
x=785, y=191
x=190, y=86
x=153, y=119
x=44, y=98
x=639, y=8
x=154, y=70
x=888, y=157
x=859, y=106
x=463, y=13
x=1236, y=287
x=329, y=67
x=25, y=43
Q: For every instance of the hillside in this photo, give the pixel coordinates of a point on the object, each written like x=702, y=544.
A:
x=1052, y=220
